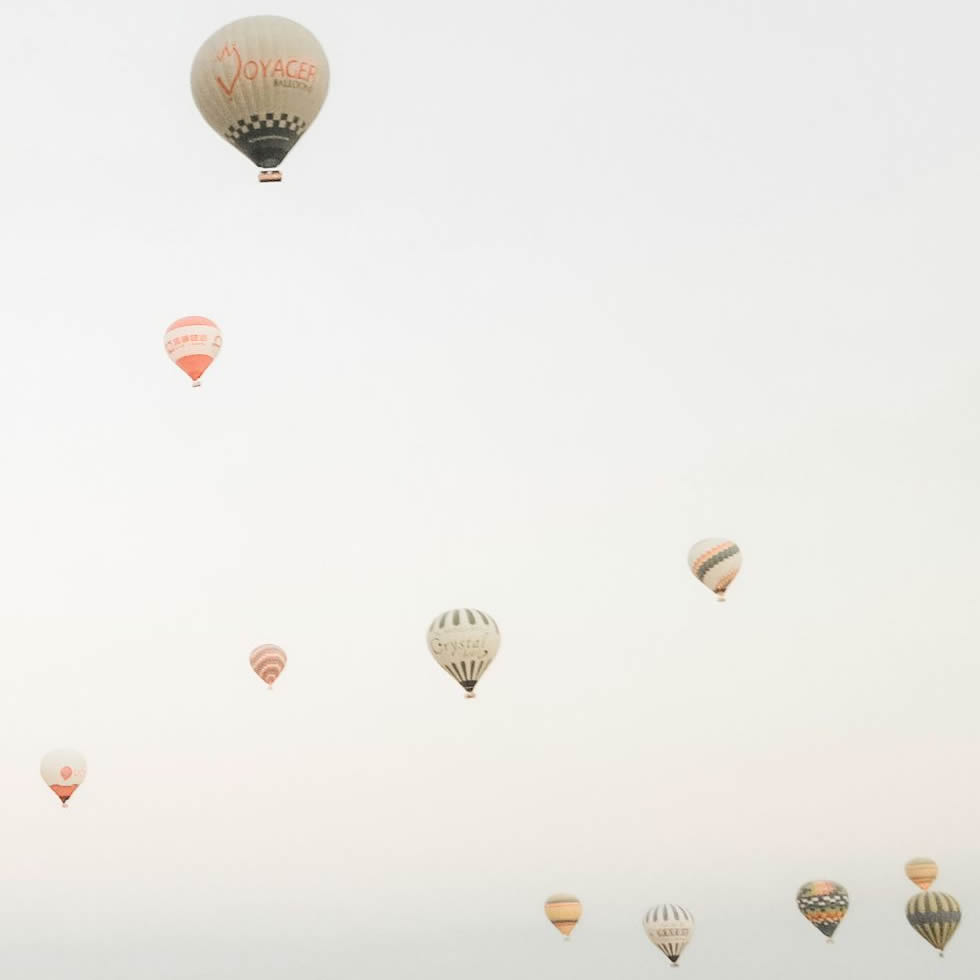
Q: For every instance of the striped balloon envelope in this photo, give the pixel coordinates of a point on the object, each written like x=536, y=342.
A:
x=922, y=871
x=669, y=928
x=268, y=661
x=715, y=562
x=935, y=916
x=563, y=912
x=464, y=643
x=193, y=342
x=64, y=771
x=824, y=905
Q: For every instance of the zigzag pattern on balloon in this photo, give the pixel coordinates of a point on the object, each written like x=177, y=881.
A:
x=823, y=904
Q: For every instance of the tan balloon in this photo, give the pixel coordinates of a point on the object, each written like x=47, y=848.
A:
x=922, y=871
x=260, y=82
x=563, y=912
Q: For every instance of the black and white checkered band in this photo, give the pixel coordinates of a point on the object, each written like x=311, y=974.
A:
x=270, y=120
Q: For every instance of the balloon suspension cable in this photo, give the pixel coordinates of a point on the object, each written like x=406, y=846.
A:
x=720, y=596
x=64, y=804
x=469, y=694
x=675, y=964
x=269, y=176
x=196, y=384
x=830, y=939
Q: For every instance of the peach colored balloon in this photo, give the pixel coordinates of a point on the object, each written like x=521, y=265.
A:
x=193, y=342
x=922, y=871
x=268, y=661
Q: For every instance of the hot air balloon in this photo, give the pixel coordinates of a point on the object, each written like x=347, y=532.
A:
x=922, y=871
x=715, y=562
x=268, y=661
x=935, y=916
x=193, y=342
x=669, y=928
x=464, y=643
x=563, y=912
x=64, y=771
x=823, y=904
x=260, y=82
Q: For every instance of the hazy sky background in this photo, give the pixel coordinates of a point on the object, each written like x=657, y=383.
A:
x=549, y=291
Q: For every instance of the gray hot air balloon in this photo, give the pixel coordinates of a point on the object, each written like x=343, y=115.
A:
x=935, y=916
x=260, y=82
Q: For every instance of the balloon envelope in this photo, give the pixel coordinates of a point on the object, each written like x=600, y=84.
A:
x=935, y=916
x=64, y=771
x=669, y=928
x=563, y=912
x=922, y=871
x=823, y=904
x=193, y=342
x=715, y=562
x=268, y=661
x=464, y=643
x=260, y=82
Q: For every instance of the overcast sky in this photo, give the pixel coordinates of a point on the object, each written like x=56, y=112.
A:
x=549, y=291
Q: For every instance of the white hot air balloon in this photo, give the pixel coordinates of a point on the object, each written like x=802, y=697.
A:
x=64, y=771
x=464, y=643
x=669, y=928
x=260, y=82
x=715, y=562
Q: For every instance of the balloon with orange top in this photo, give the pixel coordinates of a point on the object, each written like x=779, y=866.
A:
x=193, y=342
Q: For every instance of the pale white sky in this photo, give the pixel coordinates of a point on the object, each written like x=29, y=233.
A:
x=549, y=291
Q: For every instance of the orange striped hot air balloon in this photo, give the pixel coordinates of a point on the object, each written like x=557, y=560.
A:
x=563, y=912
x=922, y=871
x=268, y=661
x=193, y=342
